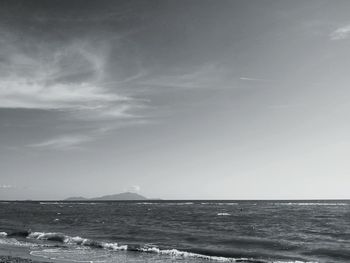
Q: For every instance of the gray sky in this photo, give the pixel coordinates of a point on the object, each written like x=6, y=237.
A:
x=175, y=99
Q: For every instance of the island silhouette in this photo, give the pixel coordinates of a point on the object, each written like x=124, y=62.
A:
x=114, y=197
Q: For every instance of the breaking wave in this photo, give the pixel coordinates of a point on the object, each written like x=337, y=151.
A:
x=184, y=254
x=6, y=239
x=59, y=237
x=79, y=241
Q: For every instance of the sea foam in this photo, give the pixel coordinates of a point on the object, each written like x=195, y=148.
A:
x=223, y=214
x=184, y=254
x=80, y=241
x=59, y=237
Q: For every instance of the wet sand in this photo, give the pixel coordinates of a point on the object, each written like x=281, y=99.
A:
x=11, y=259
x=10, y=254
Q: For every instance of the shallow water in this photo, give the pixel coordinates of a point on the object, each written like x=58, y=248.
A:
x=187, y=231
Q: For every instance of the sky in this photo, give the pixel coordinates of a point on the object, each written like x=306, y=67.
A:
x=175, y=99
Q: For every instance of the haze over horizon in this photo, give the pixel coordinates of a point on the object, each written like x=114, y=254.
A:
x=175, y=99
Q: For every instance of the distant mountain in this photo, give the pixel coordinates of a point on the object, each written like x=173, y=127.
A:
x=75, y=198
x=115, y=197
x=121, y=196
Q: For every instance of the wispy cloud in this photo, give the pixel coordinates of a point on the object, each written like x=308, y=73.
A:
x=255, y=79
x=66, y=142
x=72, y=78
x=64, y=79
x=75, y=141
x=204, y=76
x=6, y=186
x=341, y=33
x=134, y=189
x=212, y=75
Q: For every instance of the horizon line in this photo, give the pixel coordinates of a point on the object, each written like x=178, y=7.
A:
x=171, y=200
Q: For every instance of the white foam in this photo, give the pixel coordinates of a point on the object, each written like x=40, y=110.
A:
x=313, y=204
x=114, y=246
x=45, y=236
x=223, y=214
x=178, y=253
x=184, y=254
x=67, y=203
x=3, y=234
x=64, y=255
x=79, y=242
x=76, y=240
x=179, y=203
x=51, y=203
x=14, y=242
x=163, y=203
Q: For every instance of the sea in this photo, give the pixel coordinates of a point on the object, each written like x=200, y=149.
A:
x=179, y=231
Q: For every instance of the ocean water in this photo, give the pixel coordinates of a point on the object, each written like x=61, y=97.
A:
x=180, y=231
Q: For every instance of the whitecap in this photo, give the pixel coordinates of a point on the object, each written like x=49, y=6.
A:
x=53, y=236
x=178, y=253
x=16, y=243
x=312, y=204
x=184, y=254
x=223, y=214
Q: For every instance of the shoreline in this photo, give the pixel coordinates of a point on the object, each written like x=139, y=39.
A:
x=16, y=259
x=11, y=254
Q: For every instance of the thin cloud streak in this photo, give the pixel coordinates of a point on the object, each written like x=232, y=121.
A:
x=26, y=94
x=256, y=79
x=205, y=76
x=66, y=142
x=75, y=141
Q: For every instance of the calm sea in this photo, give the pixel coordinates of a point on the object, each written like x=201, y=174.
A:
x=185, y=231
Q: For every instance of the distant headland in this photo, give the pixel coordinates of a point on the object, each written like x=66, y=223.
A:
x=115, y=197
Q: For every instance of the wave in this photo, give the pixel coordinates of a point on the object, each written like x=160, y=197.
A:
x=80, y=241
x=59, y=237
x=24, y=233
x=178, y=253
x=13, y=242
x=63, y=255
x=185, y=254
x=343, y=253
x=185, y=203
x=223, y=214
x=313, y=204
x=165, y=203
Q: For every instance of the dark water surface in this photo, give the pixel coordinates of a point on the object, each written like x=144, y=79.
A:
x=187, y=231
